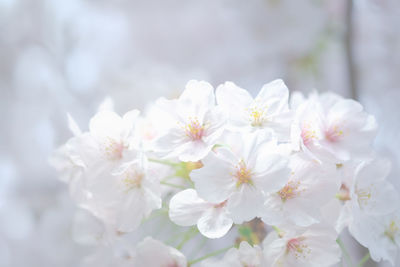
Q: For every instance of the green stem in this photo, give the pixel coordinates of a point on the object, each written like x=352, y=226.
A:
x=172, y=185
x=345, y=253
x=212, y=254
x=364, y=260
x=199, y=247
x=192, y=232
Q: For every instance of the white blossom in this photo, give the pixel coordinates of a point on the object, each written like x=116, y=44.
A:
x=331, y=128
x=365, y=189
x=314, y=246
x=125, y=197
x=196, y=123
x=311, y=185
x=242, y=175
x=268, y=110
x=380, y=234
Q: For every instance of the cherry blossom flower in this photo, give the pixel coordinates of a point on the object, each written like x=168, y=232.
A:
x=245, y=255
x=212, y=219
x=196, y=123
x=110, y=139
x=314, y=246
x=331, y=128
x=311, y=185
x=242, y=175
x=151, y=252
x=269, y=110
x=366, y=189
x=109, y=143
x=127, y=196
x=380, y=234
x=311, y=175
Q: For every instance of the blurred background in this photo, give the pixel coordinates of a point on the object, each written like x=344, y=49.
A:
x=67, y=56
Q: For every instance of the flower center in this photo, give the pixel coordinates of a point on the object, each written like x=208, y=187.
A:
x=194, y=130
x=113, y=149
x=308, y=134
x=333, y=134
x=297, y=247
x=133, y=179
x=363, y=196
x=290, y=190
x=257, y=115
x=243, y=174
x=392, y=230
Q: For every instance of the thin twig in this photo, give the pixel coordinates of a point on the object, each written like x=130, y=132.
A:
x=364, y=260
x=212, y=254
x=345, y=253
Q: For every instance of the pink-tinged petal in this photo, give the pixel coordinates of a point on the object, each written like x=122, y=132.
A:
x=245, y=204
x=186, y=207
x=214, y=181
x=372, y=193
x=215, y=222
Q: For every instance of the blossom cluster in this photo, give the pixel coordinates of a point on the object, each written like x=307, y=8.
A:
x=304, y=167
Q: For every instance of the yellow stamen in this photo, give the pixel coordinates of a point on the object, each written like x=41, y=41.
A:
x=194, y=130
x=392, y=230
x=290, y=190
x=133, y=179
x=243, y=174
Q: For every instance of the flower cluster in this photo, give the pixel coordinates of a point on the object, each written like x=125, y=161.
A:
x=304, y=170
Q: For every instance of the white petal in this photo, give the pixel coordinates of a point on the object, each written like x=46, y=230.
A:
x=245, y=204
x=215, y=222
x=197, y=98
x=200, y=92
x=276, y=88
x=214, y=181
x=215, y=120
x=271, y=172
x=186, y=208
x=235, y=101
